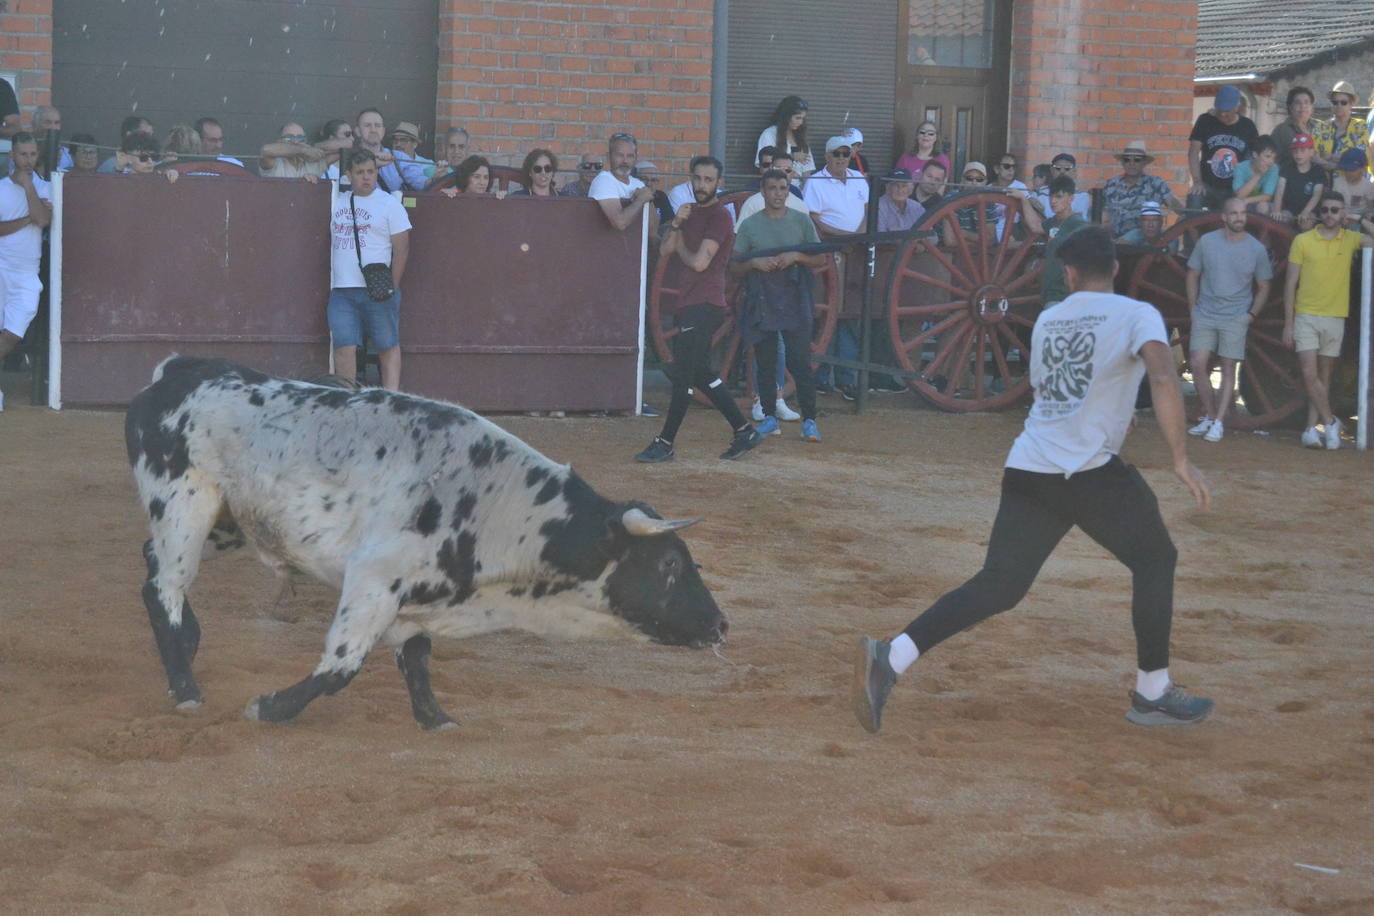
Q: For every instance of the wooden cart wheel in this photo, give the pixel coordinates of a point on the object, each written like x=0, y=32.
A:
x=726, y=345
x=961, y=306
x=1270, y=381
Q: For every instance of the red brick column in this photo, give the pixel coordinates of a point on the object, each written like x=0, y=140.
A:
x=566, y=75
x=1088, y=76
x=26, y=46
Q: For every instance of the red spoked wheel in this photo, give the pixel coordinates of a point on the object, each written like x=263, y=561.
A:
x=726, y=345
x=1269, y=380
x=961, y=305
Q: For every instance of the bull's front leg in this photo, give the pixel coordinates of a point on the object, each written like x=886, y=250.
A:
x=413, y=660
x=366, y=609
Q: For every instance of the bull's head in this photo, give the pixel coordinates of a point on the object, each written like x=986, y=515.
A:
x=655, y=586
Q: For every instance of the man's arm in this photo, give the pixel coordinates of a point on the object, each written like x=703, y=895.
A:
x=40, y=211
x=283, y=149
x=1366, y=239
x=1193, y=283
x=1035, y=224
x=1195, y=163
x=400, y=252
x=11, y=226
x=1168, y=405
x=621, y=214
x=1290, y=293
x=1261, y=297
x=698, y=260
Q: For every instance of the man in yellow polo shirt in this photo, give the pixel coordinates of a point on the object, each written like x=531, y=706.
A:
x=1316, y=301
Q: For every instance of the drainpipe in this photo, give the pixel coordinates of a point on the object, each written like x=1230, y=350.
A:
x=720, y=39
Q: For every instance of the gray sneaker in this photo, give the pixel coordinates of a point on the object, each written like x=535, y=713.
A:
x=746, y=439
x=1175, y=707
x=873, y=680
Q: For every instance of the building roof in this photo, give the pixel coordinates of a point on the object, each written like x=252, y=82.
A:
x=1268, y=36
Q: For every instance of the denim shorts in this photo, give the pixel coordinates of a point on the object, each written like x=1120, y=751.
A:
x=353, y=314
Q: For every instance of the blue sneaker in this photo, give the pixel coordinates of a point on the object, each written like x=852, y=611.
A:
x=768, y=427
x=809, y=431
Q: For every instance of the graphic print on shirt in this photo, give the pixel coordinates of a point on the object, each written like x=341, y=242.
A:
x=1066, y=364
x=343, y=227
x=1224, y=159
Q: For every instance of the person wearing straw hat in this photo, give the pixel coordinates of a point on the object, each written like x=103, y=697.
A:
x=1126, y=193
x=405, y=139
x=1346, y=131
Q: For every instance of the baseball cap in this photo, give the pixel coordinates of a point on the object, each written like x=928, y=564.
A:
x=1151, y=208
x=854, y=134
x=976, y=167
x=899, y=175
x=410, y=130
x=1302, y=141
x=644, y=165
x=836, y=142
x=1228, y=98
x=1352, y=159
x=1066, y=157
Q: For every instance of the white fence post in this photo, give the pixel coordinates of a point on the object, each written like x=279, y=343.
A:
x=1362, y=400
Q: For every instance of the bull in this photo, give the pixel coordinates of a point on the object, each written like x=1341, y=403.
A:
x=427, y=518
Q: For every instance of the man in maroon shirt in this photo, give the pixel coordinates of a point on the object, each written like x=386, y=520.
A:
x=698, y=246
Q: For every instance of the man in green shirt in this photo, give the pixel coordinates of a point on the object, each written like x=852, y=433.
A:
x=777, y=297
x=1062, y=224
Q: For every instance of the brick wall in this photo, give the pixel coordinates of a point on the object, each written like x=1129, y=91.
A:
x=1087, y=79
x=565, y=75
x=26, y=48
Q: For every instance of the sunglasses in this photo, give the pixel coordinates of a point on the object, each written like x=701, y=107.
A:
x=590, y=166
x=146, y=157
x=540, y=169
x=630, y=137
x=841, y=153
x=1132, y=158
x=1325, y=210
x=1006, y=165
x=974, y=176
x=926, y=133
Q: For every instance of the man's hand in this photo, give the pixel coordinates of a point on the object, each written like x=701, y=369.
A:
x=683, y=212
x=643, y=196
x=384, y=158
x=1288, y=335
x=1197, y=484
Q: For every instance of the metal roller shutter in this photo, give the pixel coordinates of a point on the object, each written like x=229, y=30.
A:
x=840, y=57
x=250, y=64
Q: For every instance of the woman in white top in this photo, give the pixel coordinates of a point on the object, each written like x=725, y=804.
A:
x=789, y=123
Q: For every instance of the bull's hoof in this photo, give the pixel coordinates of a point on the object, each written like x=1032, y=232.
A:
x=251, y=712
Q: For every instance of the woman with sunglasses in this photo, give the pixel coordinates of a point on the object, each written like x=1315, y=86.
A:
x=336, y=135
x=788, y=132
x=925, y=149
x=1346, y=131
x=538, y=168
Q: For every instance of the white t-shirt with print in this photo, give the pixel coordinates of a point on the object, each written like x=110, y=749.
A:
x=380, y=216
x=1086, y=369
x=606, y=186
x=23, y=249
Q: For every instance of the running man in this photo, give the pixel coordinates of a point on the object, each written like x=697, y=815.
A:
x=1064, y=470
x=699, y=242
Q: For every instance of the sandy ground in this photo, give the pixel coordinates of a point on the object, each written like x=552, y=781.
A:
x=622, y=778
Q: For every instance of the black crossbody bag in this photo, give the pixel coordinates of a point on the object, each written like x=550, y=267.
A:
x=377, y=277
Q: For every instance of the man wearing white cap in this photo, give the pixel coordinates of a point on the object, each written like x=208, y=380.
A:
x=1149, y=229
x=836, y=202
x=1125, y=193
x=857, y=162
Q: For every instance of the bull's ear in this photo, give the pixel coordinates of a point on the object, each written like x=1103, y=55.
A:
x=639, y=523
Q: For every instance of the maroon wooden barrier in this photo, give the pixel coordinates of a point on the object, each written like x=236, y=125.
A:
x=508, y=304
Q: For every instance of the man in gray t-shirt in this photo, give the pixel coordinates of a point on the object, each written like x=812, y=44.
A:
x=1228, y=285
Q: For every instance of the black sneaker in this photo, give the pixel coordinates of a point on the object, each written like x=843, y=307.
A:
x=645, y=410
x=745, y=440
x=873, y=680
x=658, y=450
x=1174, y=708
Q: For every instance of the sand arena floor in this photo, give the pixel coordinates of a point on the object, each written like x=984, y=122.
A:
x=623, y=778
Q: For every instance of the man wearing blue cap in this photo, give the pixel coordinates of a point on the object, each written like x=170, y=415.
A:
x=1220, y=141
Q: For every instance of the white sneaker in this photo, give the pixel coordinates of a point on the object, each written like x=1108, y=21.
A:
x=756, y=412
x=1333, y=435
x=1203, y=427
x=1214, y=434
x=783, y=412
x=1310, y=438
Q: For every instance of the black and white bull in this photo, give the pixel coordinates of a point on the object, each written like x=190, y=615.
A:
x=427, y=518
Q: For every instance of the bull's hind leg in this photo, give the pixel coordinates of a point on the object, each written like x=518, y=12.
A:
x=366, y=609
x=413, y=660
x=181, y=518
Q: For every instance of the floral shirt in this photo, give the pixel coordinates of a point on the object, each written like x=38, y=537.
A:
x=1123, y=201
x=1331, y=143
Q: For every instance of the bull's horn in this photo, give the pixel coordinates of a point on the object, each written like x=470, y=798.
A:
x=640, y=524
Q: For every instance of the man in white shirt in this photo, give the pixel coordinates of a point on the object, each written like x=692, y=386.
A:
x=836, y=195
x=25, y=211
x=621, y=195
x=369, y=226
x=1090, y=350
x=753, y=204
